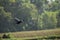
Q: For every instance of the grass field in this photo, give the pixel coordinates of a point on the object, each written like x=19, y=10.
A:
x=39, y=34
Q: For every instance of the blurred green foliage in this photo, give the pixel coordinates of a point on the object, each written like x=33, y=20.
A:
x=37, y=14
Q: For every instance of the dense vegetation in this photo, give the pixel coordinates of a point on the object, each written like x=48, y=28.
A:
x=37, y=15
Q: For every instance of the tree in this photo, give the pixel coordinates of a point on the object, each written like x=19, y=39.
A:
x=5, y=19
x=58, y=19
x=28, y=12
x=47, y=20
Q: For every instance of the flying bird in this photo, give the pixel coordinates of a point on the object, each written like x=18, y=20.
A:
x=18, y=21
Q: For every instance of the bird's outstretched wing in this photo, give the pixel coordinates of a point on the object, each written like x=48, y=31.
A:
x=18, y=21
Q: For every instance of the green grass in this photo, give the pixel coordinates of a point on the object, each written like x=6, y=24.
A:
x=39, y=34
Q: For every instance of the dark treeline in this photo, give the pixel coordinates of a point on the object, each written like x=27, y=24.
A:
x=37, y=15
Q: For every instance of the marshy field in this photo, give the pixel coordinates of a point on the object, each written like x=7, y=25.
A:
x=53, y=34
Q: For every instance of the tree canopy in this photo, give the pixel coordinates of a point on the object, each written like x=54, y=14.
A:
x=37, y=14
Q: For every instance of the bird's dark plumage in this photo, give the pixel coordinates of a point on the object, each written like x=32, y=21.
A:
x=18, y=21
